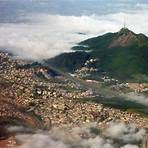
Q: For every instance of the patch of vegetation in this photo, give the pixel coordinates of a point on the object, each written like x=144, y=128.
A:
x=69, y=61
x=124, y=62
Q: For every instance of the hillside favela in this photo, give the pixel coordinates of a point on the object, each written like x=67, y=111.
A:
x=73, y=74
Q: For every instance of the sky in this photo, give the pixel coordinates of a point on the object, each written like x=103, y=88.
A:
x=41, y=29
x=11, y=8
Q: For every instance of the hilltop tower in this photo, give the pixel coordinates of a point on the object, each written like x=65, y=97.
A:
x=124, y=23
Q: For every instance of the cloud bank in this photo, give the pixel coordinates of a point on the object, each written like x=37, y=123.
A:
x=44, y=36
x=139, y=98
x=117, y=135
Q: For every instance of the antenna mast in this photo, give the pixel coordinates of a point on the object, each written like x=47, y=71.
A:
x=124, y=25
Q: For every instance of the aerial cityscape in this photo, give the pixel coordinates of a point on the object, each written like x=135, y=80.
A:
x=73, y=74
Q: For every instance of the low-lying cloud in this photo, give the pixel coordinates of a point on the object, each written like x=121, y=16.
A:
x=139, y=98
x=127, y=134
x=44, y=36
x=89, y=136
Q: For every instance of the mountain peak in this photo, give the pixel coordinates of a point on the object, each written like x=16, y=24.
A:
x=125, y=31
x=124, y=37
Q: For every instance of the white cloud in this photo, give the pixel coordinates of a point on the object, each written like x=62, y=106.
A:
x=130, y=146
x=45, y=36
x=40, y=141
x=126, y=133
x=140, y=98
x=82, y=137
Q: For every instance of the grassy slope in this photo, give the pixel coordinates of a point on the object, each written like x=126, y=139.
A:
x=125, y=63
x=69, y=61
x=129, y=62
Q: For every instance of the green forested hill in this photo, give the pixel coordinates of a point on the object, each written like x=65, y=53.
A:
x=123, y=54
